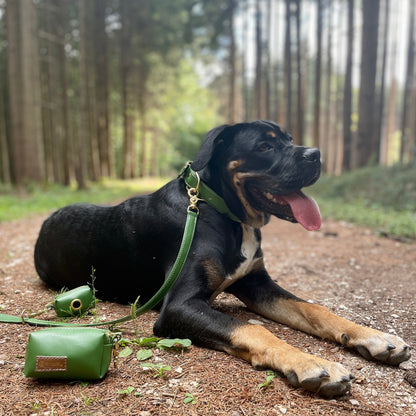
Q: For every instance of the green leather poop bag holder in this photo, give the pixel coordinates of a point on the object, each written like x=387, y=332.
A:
x=74, y=302
x=69, y=353
x=80, y=351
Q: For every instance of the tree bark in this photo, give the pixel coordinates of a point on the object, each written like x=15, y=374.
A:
x=83, y=134
x=89, y=49
x=347, y=111
x=259, y=65
x=5, y=176
x=268, y=69
x=367, y=140
x=245, y=58
x=128, y=169
x=381, y=113
x=24, y=92
x=67, y=139
x=318, y=69
x=143, y=99
x=102, y=89
x=233, y=68
x=299, y=95
x=405, y=144
x=288, y=68
x=327, y=138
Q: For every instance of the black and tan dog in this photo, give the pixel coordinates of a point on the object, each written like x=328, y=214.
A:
x=258, y=172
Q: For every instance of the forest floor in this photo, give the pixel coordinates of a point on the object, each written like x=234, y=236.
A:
x=368, y=279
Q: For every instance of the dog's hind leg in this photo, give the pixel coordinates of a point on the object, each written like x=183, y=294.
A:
x=266, y=298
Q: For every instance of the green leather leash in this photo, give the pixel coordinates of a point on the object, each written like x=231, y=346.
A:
x=188, y=235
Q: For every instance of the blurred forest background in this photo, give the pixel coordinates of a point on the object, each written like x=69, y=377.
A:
x=128, y=88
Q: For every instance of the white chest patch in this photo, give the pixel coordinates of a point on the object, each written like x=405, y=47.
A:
x=249, y=247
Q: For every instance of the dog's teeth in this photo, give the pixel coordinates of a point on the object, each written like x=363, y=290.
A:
x=269, y=196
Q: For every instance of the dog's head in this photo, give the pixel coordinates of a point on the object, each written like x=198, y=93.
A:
x=259, y=172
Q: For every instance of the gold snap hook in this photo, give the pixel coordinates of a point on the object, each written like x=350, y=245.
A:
x=193, y=196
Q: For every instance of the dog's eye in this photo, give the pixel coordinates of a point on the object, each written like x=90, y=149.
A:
x=264, y=147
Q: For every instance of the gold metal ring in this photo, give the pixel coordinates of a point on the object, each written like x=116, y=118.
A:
x=76, y=305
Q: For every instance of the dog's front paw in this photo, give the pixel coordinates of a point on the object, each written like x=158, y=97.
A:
x=327, y=378
x=376, y=345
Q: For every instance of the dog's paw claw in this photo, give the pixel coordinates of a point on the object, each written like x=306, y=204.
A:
x=401, y=356
x=340, y=388
x=386, y=348
x=330, y=382
x=311, y=384
x=293, y=379
x=364, y=352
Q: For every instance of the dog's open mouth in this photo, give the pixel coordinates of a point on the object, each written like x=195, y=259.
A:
x=295, y=207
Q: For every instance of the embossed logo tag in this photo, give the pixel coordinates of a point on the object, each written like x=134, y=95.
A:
x=45, y=363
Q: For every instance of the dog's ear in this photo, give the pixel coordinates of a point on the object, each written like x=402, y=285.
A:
x=212, y=139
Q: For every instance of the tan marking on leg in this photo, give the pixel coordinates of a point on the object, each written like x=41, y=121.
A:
x=261, y=348
x=318, y=320
x=310, y=318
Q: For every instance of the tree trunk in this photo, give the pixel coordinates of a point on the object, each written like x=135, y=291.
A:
x=128, y=169
x=367, y=140
x=89, y=48
x=154, y=158
x=83, y=134
x=245, y=58
x=405, y=149
x=233, y=68
x=347, y=111
x=4, y=145
x=300, y=104
x=24, y=92
x=50, y=43
x=259, y=55
x=318, y=69
x=268, y=72
x=102, y=89
x=327, y=142
x=381, y=112
x=67, y=140
x=288, y=68
x=277, y=82
x=47, y=90
x=143, y=98
x=338, y=105
x=391, y=122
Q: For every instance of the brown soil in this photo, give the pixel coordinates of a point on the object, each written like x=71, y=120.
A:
x=365, y=278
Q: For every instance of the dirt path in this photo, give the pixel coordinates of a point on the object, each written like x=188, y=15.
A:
x=365, y=278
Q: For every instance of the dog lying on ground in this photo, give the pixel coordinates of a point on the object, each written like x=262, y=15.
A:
x=258, y=172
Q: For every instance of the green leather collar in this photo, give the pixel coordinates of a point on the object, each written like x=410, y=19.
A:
x=206, y=193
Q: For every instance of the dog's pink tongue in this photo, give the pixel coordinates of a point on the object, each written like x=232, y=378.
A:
x=305, y=210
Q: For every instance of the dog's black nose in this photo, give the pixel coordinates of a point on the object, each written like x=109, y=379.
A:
x=312, y=154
